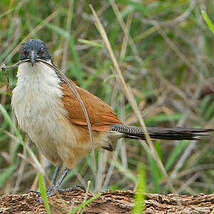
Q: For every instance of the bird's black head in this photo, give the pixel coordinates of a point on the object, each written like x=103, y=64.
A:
x=34, y=49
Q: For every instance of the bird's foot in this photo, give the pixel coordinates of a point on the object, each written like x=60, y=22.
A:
x=52, y=190
x=69, y=189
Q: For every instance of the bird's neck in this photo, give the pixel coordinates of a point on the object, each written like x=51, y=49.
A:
x=38, y=82
x=38, y=74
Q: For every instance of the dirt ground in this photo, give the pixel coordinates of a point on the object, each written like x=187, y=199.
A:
x=110, y=202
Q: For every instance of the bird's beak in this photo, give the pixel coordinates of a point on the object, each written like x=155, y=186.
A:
x=32, y=57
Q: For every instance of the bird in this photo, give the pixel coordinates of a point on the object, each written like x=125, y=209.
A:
x=49, y=112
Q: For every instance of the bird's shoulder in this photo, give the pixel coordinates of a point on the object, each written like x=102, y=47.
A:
x=101, y=115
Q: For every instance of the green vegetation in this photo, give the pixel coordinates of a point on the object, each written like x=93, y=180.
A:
x=78, y=208
x=43, y=192
x=165, y=52
x=140, y=191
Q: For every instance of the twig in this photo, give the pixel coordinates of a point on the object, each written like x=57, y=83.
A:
x=3, y=67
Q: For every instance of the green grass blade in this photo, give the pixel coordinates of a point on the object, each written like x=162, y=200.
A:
x=207, y=20
x=125, y=171
x=91, y=43
x=204, y=104
x=15, y=130
x=5, y=174
x=163, y=118
x=175, y=153
x=155, y=171
x=43, y=193
x=209, y=111
x=7, y=12
x=139, y=196
x=85, y=203
x=10, y=122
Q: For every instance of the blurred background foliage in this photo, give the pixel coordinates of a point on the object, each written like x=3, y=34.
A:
x=165, y=51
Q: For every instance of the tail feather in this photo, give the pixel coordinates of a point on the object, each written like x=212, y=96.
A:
x=176, y=133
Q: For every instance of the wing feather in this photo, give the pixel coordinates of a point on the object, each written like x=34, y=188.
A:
x=100, y=114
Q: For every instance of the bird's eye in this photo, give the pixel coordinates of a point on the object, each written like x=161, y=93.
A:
x=25, y=53
x=42, y=52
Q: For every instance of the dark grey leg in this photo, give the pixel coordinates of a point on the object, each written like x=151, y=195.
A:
x=55, y=185
x=53, y=180
x=61, y=179
x=55, y=175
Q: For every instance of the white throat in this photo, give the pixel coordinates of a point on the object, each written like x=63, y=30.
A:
x=36, y=76
x=36, y=85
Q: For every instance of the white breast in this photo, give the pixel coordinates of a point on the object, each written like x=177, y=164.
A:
x=37, y=105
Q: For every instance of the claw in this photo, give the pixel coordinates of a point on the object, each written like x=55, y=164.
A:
x=53, y=190
x=35, y=192
x=71, y=188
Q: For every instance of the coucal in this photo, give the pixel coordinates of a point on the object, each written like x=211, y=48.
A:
x=51, y=115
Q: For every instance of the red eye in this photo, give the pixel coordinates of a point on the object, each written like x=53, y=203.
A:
x=42, y=52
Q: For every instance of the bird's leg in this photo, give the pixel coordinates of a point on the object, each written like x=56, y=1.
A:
x=55, y=185
x=60, y=181
x=54, y=179
x=55, y=175
x=51, y=188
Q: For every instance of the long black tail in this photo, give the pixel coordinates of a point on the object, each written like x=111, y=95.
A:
x=176, y=133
